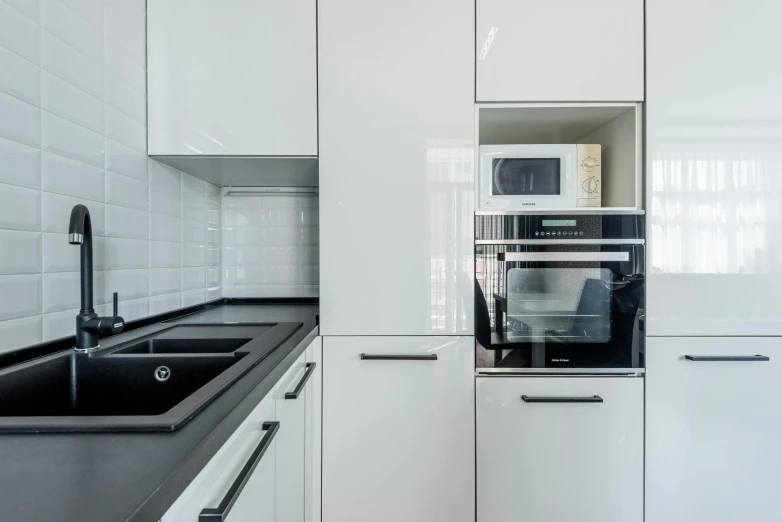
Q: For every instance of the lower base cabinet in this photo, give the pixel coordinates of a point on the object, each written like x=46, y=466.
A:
x=559, y=449
x=714, y=429
x=398, y=429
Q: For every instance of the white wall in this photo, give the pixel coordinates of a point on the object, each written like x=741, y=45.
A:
x=73, y=130
x=270, y=246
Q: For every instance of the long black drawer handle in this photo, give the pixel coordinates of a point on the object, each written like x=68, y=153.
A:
x=427, y=357
x=594, y=398
x=727, y=358
x=307, y=374
x=220, y=513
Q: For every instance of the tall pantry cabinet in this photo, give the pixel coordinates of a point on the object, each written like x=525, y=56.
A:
x=714, y=264
x=396, y=153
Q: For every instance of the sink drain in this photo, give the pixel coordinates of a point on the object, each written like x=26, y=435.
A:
x=162, y=373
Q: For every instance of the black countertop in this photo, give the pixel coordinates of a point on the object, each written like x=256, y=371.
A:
x=106, y=477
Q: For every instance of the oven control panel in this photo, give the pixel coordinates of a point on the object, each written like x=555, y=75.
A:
x=496, y=226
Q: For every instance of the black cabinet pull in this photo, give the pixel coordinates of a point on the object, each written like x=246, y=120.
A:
x=727, y=358
x=220, y=513
x=297, y=390
x=427, y=357
x=593, y=398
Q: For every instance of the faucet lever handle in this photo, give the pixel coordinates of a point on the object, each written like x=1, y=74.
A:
x=116, y=304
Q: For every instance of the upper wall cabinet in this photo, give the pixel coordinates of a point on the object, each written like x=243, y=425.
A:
x=714, y=168
x=232, y=78
x=560, y=50
x=397, y=130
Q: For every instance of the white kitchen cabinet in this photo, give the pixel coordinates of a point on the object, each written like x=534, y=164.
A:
x=714, y=168
x=559, y=461
x=235, y=77
x=209, y=490
x=713, y=429
x=559, y=50
x=312, y=431
x=290, y=396
x=398, y=434
x=396, y=117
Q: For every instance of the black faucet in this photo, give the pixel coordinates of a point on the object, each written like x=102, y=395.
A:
x=89, y=326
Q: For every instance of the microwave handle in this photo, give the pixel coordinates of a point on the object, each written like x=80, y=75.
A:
x=566, y=257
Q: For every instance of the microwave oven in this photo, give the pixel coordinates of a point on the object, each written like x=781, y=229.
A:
x=532, y=177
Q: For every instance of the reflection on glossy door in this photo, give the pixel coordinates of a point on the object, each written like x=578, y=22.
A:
x=714, y=171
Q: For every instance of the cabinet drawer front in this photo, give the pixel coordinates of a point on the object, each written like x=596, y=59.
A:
x=210, y=487
x=398, y=435
x=713, y=429
x=559, y=448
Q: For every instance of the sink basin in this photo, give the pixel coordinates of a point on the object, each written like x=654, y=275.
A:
x=152, y=382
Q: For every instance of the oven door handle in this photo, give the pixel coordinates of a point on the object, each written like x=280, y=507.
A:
x=566, y=257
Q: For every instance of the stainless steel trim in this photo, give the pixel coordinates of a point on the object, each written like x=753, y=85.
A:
x=564, y=371
x=563, y=256
x=570, y=212
x=75, y=239
x=560, y=241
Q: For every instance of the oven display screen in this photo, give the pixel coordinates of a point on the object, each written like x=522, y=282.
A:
x=559, y=222
x=526, y=177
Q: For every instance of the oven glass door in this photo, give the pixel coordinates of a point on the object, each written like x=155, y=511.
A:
x=559, y=306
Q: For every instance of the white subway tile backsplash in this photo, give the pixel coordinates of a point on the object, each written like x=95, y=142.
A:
x=125, y=160
x=20, y=78
x=309, y=291
x=18, y=333
x=165, y=189
x=193, y=255
x=129, y=284
x=30, y=8
x=57, y=213
x=61, y=59
x=165, y=228
x=73, y=131
x=20, y=208
x=63, y=99
x=125, y=130
x=65, y=138
x=61, y=290
x=20, y=164
x=61, y=256
x=19, y=120
x=69, y=27
x=72, y=178
x=127, y=192
x=19, y=33
x=164, y=254
x=123, y=98
x=124, y=66
x=127, y=222
x=123, y=254
x=310, y=255
x=20, y=252
x=159, y=304
x=26, y=296
x=310, y=275
x=165, y=280
x=310, y=236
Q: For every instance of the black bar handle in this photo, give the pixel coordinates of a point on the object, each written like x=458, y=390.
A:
x=220, y=513
x=427, y=357
x=297, y=390
x=727, y=358
x=594, y=398
x=116, y=305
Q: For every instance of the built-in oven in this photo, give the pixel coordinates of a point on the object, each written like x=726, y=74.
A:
x=559, y=293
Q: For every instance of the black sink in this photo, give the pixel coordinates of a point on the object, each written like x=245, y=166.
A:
x=152, y=382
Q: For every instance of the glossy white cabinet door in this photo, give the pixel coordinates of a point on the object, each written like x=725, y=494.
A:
x=398, y=435
x=234, y=77
x=291, y=444
x=312, y=433
x=396, y=104
x=559, y=462
x=713, y=430
x=256, y=501
x=560, y=50
x=714, y=168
